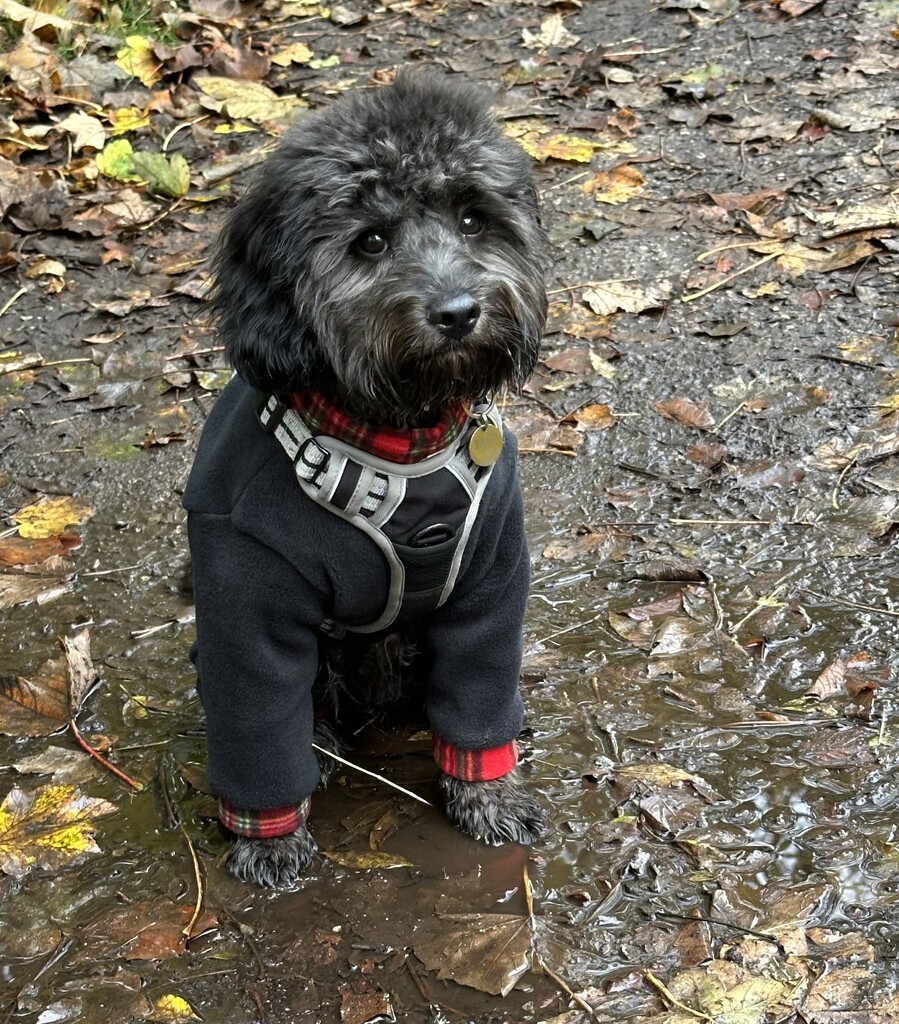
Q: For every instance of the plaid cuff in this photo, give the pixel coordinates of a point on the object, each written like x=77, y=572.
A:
x=475, y=765
x=265, y=824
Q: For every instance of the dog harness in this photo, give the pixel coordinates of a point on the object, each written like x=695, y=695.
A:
x=419, y=515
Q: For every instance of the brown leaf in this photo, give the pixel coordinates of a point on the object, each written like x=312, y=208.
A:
x=35, y=707
x=572, y=360
x=592, y=417
x=148, y=930
x=80, y=672
x=686, y=412
x=29, y=550
x=20, y=588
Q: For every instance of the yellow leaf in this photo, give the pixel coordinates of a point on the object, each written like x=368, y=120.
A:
x=233, y=129
x=128, y=119
x=50, y=516
x=50, y=828
x=296, y=53
x=251, y=101
x=367, y=861
x=172, y=1008
x=608, y=296
x=615, y=186
x=559, y=146
x=137, y=58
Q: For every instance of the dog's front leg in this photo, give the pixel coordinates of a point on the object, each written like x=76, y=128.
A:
x=473, y=646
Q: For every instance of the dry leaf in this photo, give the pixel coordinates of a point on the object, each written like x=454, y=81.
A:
x=686, y=412
x=49, y=828
x=170, y=1009
x=615, y=186
x=552, y=33
x=296, y=53
x=593, y=417
x=610, y=296
x=251, y=101
x=367, y=861
x=88, y=131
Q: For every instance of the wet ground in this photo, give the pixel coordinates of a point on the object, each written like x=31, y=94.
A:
x=711, y=640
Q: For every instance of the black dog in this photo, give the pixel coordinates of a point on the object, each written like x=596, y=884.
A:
x=380, y=281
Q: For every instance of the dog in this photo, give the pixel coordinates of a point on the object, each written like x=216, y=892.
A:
x=354, y=513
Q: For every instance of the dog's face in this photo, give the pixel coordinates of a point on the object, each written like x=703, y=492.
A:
x=390, y=253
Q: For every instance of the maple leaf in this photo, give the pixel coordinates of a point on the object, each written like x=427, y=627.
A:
x=50, y=828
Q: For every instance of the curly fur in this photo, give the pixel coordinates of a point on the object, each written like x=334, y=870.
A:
x=495, y=812
x=272, y=862
x=298, y=304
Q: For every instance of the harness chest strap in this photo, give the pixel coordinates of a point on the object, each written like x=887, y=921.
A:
x=367, y=491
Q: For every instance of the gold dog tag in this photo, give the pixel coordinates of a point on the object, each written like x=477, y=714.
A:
x=485, y=444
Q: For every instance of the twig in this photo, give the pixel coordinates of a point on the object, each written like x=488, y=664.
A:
x=568, y=629
x=546, y=451
x=374, y=775
x=852, y=604
x=730, y=277
x=592, y=284
x=653, y=980
x=13, y=298
x=834, y=498
x=565, y=987
x=198, y=878
x=82, y=742
x=729, y=416
x=760, y=603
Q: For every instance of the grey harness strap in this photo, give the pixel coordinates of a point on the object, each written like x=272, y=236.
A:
x=369, y=492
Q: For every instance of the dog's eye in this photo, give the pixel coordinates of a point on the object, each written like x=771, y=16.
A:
x=372, y=243
x=471, y=223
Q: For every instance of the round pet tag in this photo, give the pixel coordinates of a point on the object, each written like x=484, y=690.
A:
x=485, y=445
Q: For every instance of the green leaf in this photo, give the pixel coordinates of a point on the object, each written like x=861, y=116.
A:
x=116, y=160
x=164, y=176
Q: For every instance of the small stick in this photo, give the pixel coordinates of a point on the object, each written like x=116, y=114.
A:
x=592, y=284
x=198, y=878
x=82, y=742
x=729, y=416
x=730, y=277
x=565, y=987
x=834, y=498
x=9, y=302
x=568, y=629
x=546, y=451
x=652, y=979
x=374, y=775
x=759, y=605
x=852, y=604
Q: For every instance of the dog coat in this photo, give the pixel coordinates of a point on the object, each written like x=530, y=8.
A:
x=371, y=493
x=272, y=565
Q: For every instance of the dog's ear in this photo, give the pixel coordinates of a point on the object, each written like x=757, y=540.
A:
x=257, y=266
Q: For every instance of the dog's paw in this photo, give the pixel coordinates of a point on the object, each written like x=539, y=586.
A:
x=273, y=862
x=329, y=740
x=495, y=812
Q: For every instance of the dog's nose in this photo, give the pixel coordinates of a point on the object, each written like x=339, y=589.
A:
x=454, y=315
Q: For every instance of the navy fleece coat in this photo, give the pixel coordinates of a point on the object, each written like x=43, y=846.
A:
x=270, y=566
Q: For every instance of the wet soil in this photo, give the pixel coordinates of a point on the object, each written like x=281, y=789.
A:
x=690, y=585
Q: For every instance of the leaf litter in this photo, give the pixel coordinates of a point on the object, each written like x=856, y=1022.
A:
x=769, y=680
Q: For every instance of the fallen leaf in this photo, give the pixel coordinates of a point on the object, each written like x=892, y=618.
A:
x=21, y=588
x=615, y=186
x=138, y=59
x=170, y=1009
x=166, y=176
x=558, y=146
x=592, y=417
x=88, y=131
x=686, y=412
x=50, y=828
x=248, y=100
x=33, y=20
x=50, y=516
x=552, y=33
x=610, y=296
x=146, y=930
x=63, y=763
x=296, y=53
x=367, y=861
x=856, y=675
x=116, y=161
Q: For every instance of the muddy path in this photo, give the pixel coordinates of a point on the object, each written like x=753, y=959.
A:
x=709, y=458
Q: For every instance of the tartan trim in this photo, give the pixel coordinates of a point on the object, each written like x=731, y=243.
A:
x=474, y=765
x=395, y=444
x=264, y=824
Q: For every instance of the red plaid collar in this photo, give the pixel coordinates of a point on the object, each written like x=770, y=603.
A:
x=395, y=444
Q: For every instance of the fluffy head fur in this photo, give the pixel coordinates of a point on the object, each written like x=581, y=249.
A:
x=346, y=265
